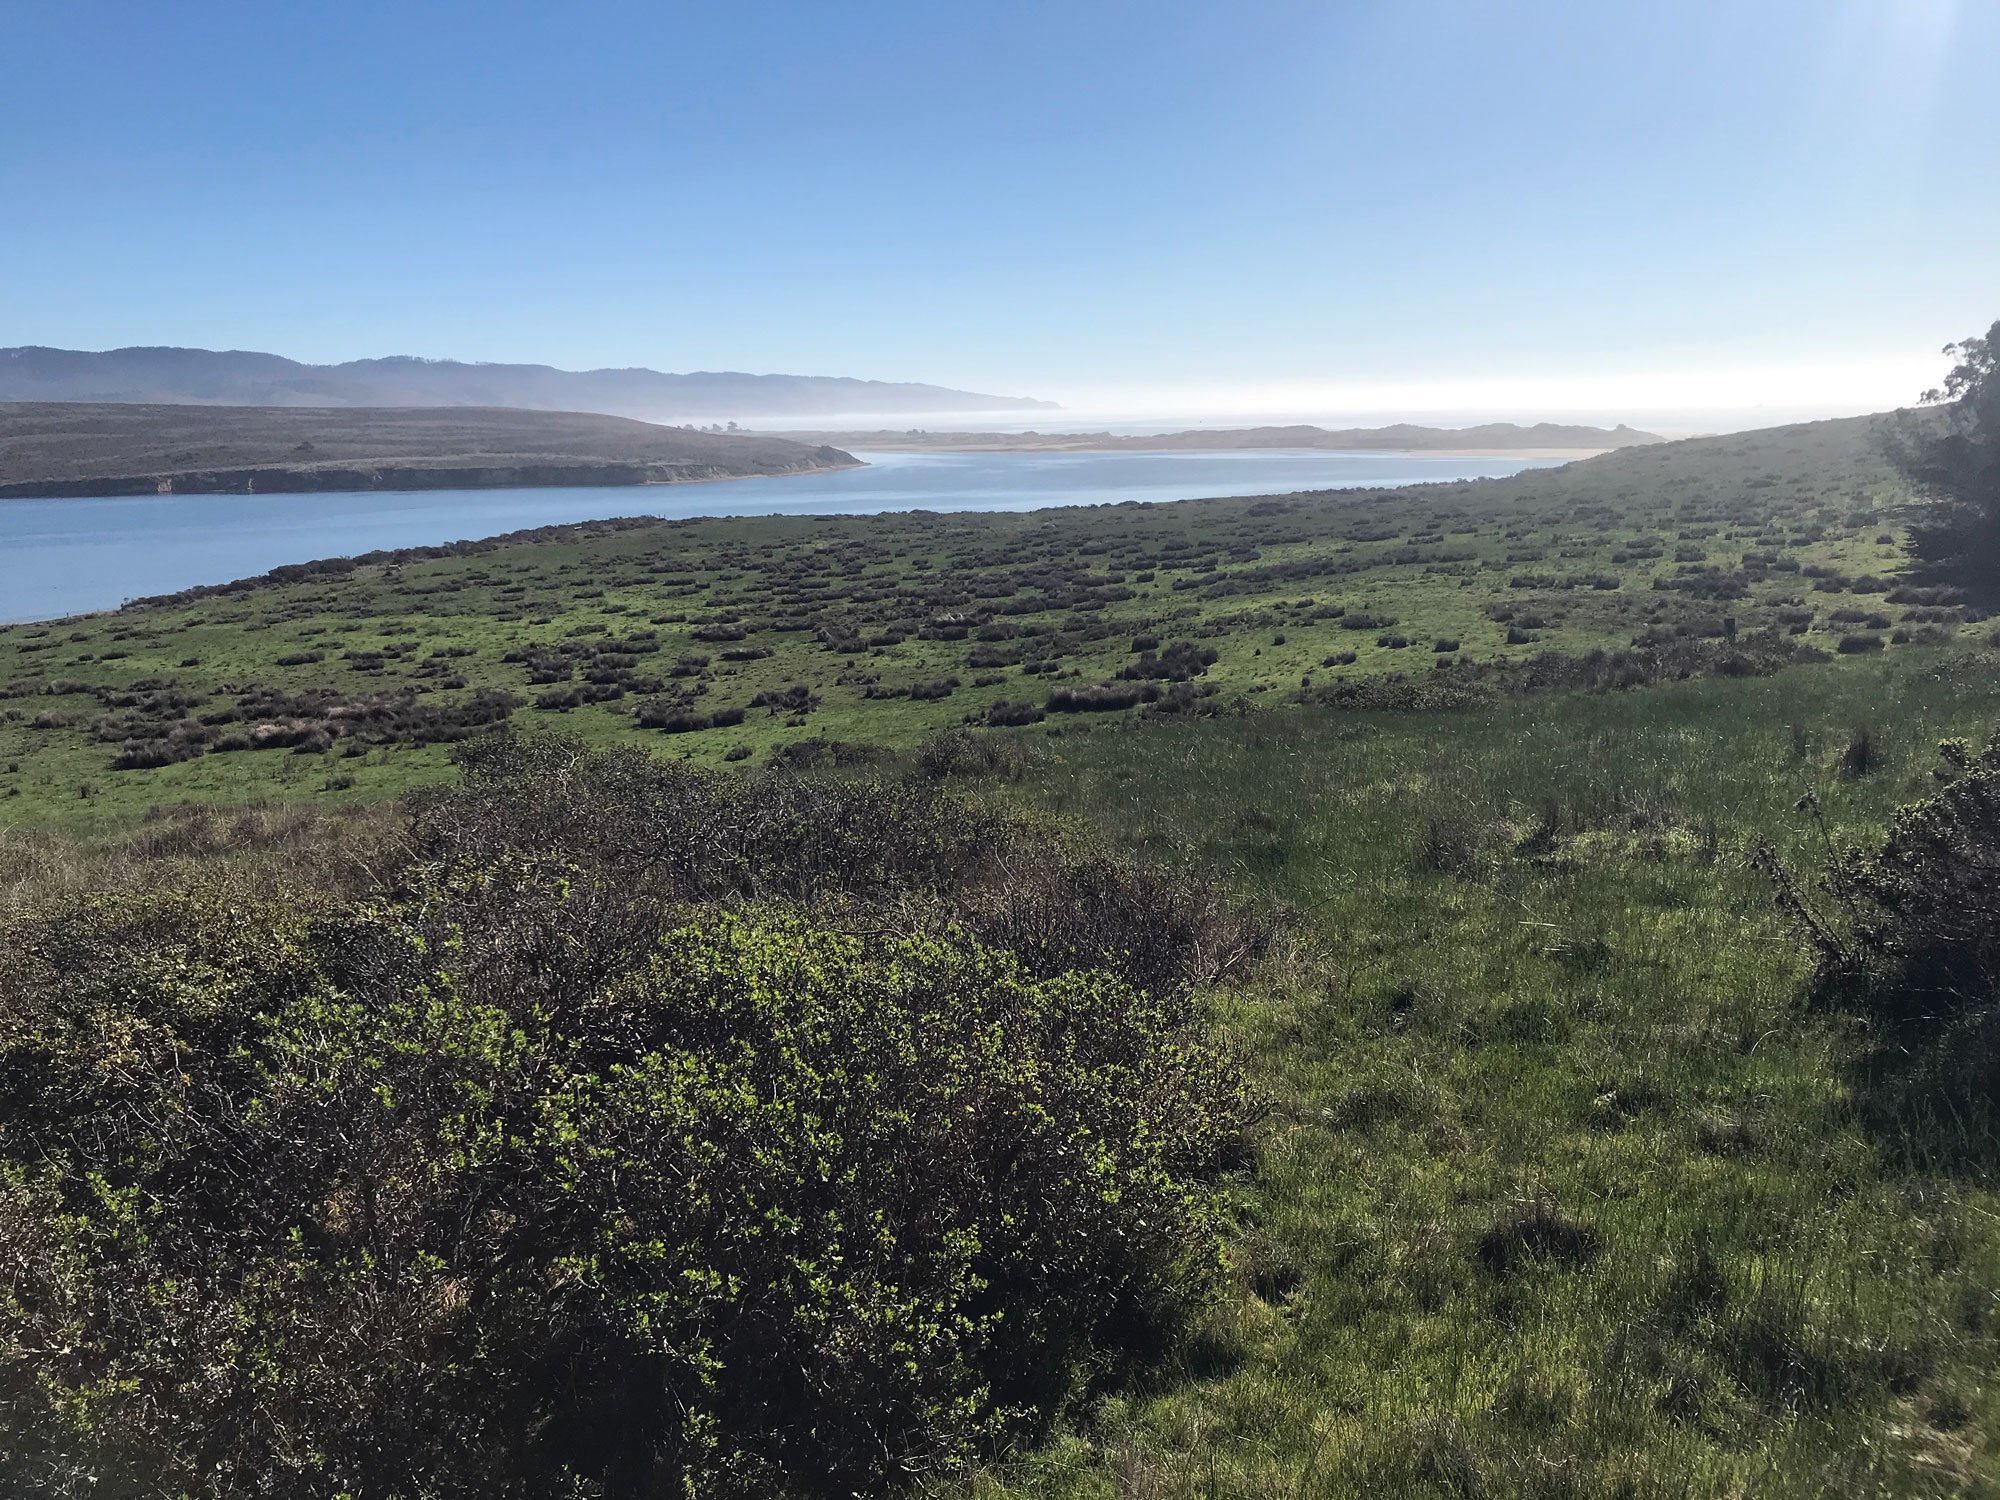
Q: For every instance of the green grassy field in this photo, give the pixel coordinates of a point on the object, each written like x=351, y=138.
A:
x=1534, y=970
x=1566, y=1185
x=734, y=639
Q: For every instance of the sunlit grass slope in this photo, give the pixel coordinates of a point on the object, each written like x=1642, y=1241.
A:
x=1564, y=1191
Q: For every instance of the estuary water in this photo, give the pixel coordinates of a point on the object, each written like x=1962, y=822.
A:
x=66, y=557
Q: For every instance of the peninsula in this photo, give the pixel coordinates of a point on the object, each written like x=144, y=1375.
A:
x=76, y=448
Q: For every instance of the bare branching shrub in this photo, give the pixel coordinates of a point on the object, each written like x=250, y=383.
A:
x=956, y=752
x=1166, y=931
x=1863, y=753
x=1910, y=931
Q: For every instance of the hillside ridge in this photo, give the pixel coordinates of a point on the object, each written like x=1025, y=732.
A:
x=56, y=449
x=238, y=377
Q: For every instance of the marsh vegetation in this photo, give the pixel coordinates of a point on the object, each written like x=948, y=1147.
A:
x=347, y=679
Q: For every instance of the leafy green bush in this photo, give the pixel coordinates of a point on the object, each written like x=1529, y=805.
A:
x=419, y=1199
x=571, y=1164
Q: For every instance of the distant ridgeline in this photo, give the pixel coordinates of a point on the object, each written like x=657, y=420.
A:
x=241, y=378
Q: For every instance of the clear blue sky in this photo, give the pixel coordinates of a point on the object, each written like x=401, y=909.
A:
x=1081, y=199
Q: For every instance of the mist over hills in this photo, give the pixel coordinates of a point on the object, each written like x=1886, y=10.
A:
x=208, y=377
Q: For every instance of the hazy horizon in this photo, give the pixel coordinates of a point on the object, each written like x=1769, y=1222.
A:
x=1671, y=403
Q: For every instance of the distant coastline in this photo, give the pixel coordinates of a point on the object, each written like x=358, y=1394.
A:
x=866, y=443
x=1489, y=440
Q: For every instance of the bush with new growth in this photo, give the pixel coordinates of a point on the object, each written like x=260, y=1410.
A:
x=571, y=1165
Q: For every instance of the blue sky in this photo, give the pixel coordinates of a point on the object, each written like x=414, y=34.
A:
x=1407, y=204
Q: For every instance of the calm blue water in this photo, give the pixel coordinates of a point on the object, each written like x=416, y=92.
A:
x=63, y=557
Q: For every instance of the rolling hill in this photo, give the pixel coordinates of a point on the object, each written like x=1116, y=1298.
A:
x=61, y=448
x=242, y=378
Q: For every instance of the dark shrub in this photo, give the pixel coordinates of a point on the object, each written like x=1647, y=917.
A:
x=1102, y=697
x=1916, y=924
x=672, y=718
x=1180, y=662
x=1910, y=933
x=1012, y=715
x=1534, y=1231
x=959, y=753
x=1187, y=700
x=663, y=833
x=818, y=753
x=1161, y=929
x=796, y=699
x=147, y=755
x=1461, y=683
x=1863, y=753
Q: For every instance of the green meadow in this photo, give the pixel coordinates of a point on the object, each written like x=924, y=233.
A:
x=1568, y=1186
x=747, y=639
